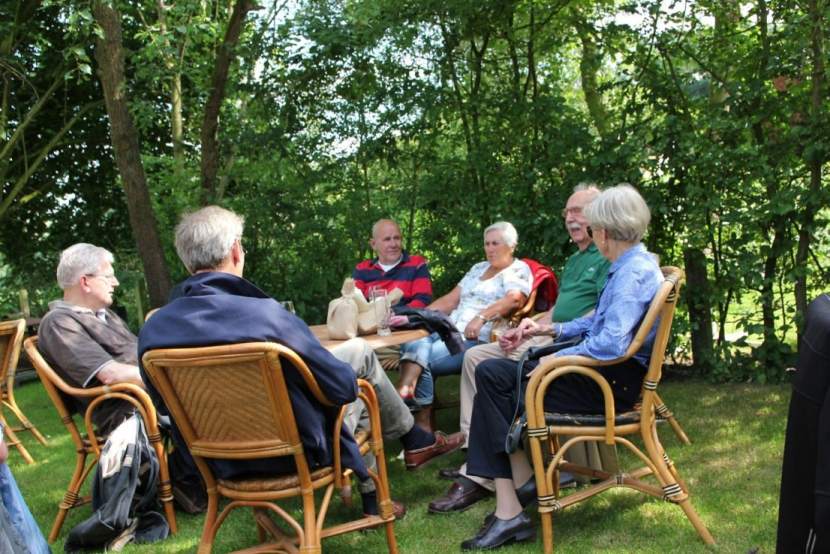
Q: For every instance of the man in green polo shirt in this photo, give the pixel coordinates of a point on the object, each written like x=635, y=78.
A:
x=580, y=284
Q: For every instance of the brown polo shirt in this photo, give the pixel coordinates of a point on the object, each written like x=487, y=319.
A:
x=77, y=343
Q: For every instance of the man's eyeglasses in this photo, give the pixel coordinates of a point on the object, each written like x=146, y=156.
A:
x=106, y=276
x=576, y=210
x=589, y=231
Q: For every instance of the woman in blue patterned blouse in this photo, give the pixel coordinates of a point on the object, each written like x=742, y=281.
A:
x=618, y=218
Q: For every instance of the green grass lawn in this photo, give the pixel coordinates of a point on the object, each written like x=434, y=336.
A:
x=732, y=467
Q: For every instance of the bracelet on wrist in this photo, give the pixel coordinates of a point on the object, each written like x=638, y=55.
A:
x=555, y=329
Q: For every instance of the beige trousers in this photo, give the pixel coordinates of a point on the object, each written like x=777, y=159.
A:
x=395, y=418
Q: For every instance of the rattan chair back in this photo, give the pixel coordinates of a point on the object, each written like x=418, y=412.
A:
x=11, y=340
x=252, y=418
x=231, y=402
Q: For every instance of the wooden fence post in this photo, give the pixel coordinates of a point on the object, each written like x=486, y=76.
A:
x=23, y=296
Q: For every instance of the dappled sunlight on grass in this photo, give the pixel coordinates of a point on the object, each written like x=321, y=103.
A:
x=732, y=468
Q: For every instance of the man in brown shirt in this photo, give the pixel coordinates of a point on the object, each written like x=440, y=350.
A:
x=86, y=343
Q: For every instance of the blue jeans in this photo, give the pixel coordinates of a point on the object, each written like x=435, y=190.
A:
x=432, y=355
x=18, y=530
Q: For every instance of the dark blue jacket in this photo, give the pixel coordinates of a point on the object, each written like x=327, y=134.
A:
x=804, y=504
x=220, y=308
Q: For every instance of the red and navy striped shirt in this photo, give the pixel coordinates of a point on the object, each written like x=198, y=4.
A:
x=411, y=275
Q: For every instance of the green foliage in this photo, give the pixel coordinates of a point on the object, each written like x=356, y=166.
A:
x=448, y=116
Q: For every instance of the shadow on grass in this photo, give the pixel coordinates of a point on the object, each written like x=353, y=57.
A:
x=732, y=469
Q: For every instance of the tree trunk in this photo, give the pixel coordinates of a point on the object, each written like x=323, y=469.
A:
x=110, y=56
x=777, y=226
x=176, y=121
x=814, y=162
x=589, y=66
x=700, y=309
x=174, y=64
x=210, y=123
x=768, y=286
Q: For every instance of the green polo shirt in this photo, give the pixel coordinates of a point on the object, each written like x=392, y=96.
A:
x=580, y=283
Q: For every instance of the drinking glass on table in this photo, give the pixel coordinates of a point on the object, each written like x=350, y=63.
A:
x=288, y=305
x=380, y=304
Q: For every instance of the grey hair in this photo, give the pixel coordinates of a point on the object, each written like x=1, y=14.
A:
x=204, y=238
x=384, y=220
x=508, y=233
x=585, y=186
x=78, y=260
x=621, y=211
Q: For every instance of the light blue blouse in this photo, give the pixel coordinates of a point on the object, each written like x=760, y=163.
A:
x=633, y=280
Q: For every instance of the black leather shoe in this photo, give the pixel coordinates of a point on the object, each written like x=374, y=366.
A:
x=501, y=532
x=460, y=496
x=526, y=495
x=449, y=473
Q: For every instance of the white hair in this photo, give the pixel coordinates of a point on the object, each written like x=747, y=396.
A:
x=508, y=233
x=593, y=188
x=78, y=260
x=204, y=238
x=621, y=211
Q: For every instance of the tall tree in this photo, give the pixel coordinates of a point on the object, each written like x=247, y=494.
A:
x=210, y=121
x=815, y=155
x=109, y=53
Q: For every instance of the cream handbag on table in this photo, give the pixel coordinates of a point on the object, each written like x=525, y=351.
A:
x=352, y=315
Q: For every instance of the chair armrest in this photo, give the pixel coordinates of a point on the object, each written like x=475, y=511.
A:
x=544, y=375
x=304, y=372
x=524, y=309
x=128, y=392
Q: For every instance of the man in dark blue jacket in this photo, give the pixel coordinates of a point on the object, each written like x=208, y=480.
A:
x=218, y=306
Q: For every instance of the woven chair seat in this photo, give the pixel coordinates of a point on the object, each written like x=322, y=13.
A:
x=272, y=483
x=589, y=420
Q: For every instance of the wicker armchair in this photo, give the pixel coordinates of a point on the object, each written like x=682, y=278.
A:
x=231, y=402
x=11, y=338
x=90, y=444
x=545, y=430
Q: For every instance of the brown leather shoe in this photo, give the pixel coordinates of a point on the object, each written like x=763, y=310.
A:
x=442, y=445
x=398, y=509
x=459, y=497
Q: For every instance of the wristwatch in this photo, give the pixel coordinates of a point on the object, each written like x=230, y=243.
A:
x=482, y=318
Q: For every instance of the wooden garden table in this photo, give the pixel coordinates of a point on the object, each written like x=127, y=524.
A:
x=374, y=340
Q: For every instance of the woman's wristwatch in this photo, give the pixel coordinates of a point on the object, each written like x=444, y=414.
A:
x=482, y=318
